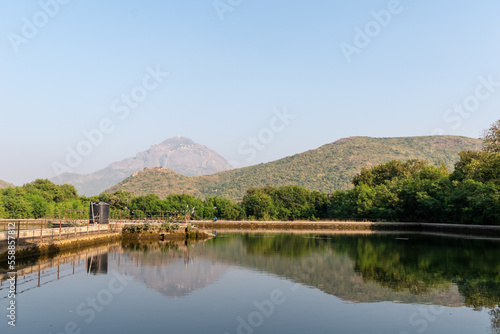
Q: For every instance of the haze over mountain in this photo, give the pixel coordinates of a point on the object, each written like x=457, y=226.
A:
x=179, y=154
x=4, y=184
x=328, y=168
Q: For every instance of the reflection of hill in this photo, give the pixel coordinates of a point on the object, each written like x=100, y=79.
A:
x=424, y=262
x=170, y=268
x=423, y=269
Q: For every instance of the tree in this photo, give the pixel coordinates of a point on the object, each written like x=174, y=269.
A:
x=491, y=140
x=180, y=202
x=259, y=204
x=433, y=173
x=2, y=210
x=118, y=200
x=376, y=203
x=14, y=204
x=224, y=208
x=319, y=204
x=146, y=203
x=65, y=192
x=472, y=202
x=394, y=169
x=342, y=204
x=479, y=166
x=291, y=202
x=42, y=187
x=39, y=205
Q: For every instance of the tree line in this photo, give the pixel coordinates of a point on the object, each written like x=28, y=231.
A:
x=399, y=191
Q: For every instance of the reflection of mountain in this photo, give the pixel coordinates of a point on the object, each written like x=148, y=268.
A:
x=377, y=267
x=173, y=272
x=319, y=264
x=178, y=279
x=178, y=154
x=369, y=268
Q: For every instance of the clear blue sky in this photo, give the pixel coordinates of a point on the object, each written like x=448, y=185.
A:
x=227, y=76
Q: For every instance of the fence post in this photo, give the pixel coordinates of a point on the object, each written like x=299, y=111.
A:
x=41, y=231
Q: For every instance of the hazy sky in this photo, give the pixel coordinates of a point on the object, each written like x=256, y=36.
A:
x=336, y=68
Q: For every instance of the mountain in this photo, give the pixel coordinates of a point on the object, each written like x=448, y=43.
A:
x=179, y=154
x=4, y=184
x=330, y=167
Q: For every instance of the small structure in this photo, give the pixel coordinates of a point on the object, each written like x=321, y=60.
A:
x=99, y=213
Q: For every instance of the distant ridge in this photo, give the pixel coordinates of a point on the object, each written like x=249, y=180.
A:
x=327, y=168
x=180, y=154
x=4, y=184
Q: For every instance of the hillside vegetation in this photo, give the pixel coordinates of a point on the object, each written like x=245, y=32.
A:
x=328, y=168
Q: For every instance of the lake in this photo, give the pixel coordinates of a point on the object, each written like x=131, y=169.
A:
x=265, y=283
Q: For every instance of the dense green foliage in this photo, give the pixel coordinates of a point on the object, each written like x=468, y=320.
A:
x=40, y=198
x=395, y=191
x=44, y=199
x=471, y=194
x=285, y=203
x=325, y=169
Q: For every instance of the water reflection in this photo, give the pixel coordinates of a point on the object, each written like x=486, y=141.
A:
x=173, y=269
x=370, y=268
x=495, y=320
x=404, y=268
x=415, y=264
x=97, y=264
x=50, y=270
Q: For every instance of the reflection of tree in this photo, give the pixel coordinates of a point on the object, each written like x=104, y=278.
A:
x=495, y=320
x=418, y=264
x=396, y=264
x=322, y=263
x=479, y=294
x=290, y=245
x=422, y=263
x=150, y=245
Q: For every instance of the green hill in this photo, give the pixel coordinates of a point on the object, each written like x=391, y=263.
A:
x=328, y=168
x=4, y=184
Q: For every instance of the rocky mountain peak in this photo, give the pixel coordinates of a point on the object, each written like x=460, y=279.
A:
x=180, y=154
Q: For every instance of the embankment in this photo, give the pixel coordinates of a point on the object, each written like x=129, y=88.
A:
x=477, y=230
x=53, y=243
x=35, y=249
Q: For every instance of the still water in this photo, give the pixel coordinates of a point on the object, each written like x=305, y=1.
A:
x=265, y=283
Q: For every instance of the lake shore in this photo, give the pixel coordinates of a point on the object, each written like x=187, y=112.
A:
x=27, y=249
x=346, y=226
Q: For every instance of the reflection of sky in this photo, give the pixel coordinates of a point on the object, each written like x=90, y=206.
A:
x=217, y=307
